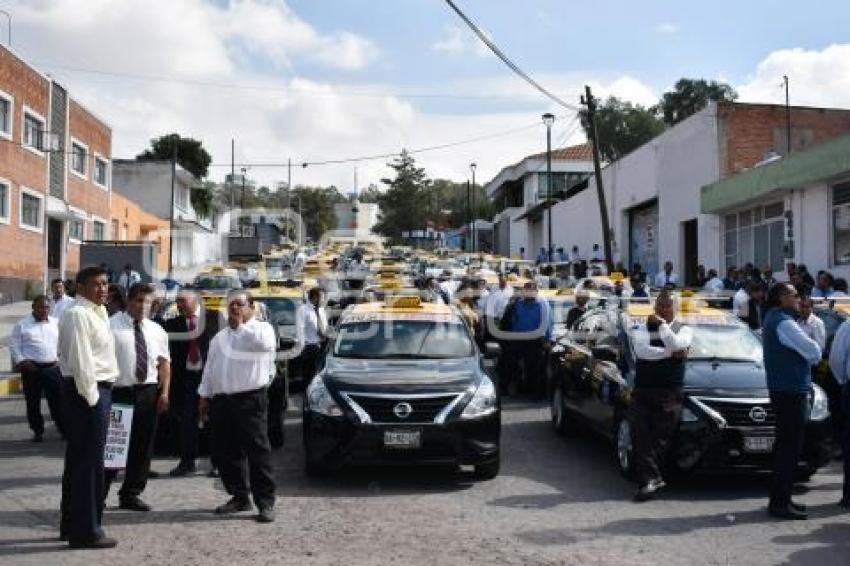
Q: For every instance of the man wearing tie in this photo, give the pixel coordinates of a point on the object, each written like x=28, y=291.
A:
x=87, y=361
x=312, y=327
x=189, y=339
x=141, y=347
x=33, y=345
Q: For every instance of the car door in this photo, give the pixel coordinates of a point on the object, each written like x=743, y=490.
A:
x=604, y=373
x=580, y=391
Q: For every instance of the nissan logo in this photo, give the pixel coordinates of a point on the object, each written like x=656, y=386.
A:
x=758, y=415
x=402, y=410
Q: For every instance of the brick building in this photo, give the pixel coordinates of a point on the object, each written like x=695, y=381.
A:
x=55, y=169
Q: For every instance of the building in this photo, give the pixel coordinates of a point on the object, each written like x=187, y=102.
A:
x=520, y=191
x=55, y=178
x=356, y=219
x=129, y=221
x=654, y=193
x=794, y=209
x=195, y=241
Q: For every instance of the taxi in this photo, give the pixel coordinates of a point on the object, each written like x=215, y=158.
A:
x=402, y=382
x=214, y=284
x=728, y=421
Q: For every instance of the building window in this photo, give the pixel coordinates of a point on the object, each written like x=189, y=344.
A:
x=100, y=171
x=756, y=236
x=181, y=198
x=841, y=223
x=31, y=212
x=78, y=158
x=76, y=230
x=6, y=113
x=5, y=198
x=114, y=226
x=98, y=230
x=33, y=131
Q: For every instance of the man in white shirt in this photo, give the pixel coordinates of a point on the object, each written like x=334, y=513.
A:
x=311, y=325
x=811, y=324
x=233, y=392
x=33, y=344
x=87, y=361
x=141, y=348
x=666, y=279
x=59, y=302
x=128, y=278
x=714, y=283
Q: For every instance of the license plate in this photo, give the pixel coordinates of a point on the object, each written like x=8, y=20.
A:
x=405, y=439
x=758, y=443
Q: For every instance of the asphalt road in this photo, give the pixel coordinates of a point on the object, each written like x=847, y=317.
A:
x=557, y=501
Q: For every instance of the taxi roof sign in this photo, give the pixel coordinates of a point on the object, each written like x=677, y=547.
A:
x=403, y=302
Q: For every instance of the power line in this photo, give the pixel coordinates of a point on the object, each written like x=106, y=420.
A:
x=513, y=66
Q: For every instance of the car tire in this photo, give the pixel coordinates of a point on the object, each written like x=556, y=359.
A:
x=488, y=471
x=560, y=421
x=624, y=447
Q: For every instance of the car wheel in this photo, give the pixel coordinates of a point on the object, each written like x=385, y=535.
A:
x=560, y=421
x=489, y=470
x=624, y=448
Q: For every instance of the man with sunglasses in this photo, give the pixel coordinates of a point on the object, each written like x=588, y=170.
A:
x=789, y=355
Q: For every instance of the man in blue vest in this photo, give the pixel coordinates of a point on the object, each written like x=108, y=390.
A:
x=789, y=355
x=529, y=318
x=661, y=347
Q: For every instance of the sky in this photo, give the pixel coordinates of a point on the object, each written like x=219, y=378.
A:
x=319, y=80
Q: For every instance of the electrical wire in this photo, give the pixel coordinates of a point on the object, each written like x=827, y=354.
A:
x=506, y=60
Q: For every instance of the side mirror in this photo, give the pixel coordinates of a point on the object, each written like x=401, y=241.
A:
x=492, y=350
x=606, y=353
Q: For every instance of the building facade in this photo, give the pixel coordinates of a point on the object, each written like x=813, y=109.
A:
x=130, y=222
x=55, y=178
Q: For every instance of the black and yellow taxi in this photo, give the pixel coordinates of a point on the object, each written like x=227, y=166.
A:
x=402, y=382
x=213, y=285
x=727, y=421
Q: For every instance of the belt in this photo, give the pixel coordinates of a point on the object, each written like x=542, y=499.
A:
x=238, y=393
x=45, y=365
x=103, y=384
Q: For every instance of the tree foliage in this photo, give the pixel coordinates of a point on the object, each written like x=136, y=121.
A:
x=370, y=194
x=191, y=154
x=622, y=127
x=203, y=200
x=689, y=96
x=451, y=203
x=404, y=205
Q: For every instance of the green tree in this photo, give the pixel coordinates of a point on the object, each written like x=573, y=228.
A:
x=370, y=194
x=405, y=204
x=453, y=199
x=203, y=199
x=689, y=96
x=191, y=154
x=622, y=127
x=317, y=208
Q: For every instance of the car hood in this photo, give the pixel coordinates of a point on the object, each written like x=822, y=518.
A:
x=402, y=376
x=725, y=379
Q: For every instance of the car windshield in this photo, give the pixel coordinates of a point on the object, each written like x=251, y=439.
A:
x=281, y=312
x=217, y=282
x=560, y=309
x=725, y=343
x=403, y=339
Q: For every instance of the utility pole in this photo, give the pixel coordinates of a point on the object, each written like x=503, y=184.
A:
x=590, y=102
x=232, y=172
x=787, y=114
x=548, y=120
x=473, y=166
x=468, y=212
x=174, y=138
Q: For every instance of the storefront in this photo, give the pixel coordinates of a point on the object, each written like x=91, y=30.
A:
x=643, y=236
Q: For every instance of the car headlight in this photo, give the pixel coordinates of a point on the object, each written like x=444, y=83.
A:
x=820, y=404
x=483, y=403
x=320, y=400
x=688, y=416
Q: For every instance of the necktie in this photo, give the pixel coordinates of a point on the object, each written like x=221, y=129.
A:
x=194, y=351
x=141, y=353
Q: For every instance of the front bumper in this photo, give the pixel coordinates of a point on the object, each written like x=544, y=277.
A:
x=336, y=441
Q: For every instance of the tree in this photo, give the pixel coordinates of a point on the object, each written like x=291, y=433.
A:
x=203, y=199
x=191, y=154
x=317, y=212
x=370, y=194
x=622, y=127
x=454, y=198
x=405, y=204
x=689, y=96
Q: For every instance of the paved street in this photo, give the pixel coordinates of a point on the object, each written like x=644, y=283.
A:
x=557, y=501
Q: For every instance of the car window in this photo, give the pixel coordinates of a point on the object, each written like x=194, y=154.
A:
x=403, y=339
x=217, y=283
x=726, y=343
x=280, y=311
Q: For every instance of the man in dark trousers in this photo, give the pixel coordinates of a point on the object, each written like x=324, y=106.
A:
x=189, y=336
x=87, y=361
x=234, y=393
x=141, y=348
x=530, y=340
x=33, y=345
x=661, y=347
x=579, y=309
x=789, y=355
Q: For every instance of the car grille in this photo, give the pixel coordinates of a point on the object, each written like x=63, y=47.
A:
x=381, y=409
x=738, y=414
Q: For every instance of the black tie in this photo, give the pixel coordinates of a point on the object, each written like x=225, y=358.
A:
x=141, y=353
x=319, y=328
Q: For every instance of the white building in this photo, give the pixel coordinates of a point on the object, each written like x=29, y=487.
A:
x=195, y=241
x=355, y=220
x=521, y=188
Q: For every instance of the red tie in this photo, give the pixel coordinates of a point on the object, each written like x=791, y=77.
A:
x=194, y=351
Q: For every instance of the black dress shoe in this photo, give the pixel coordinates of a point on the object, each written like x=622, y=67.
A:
x=845, y=502
x=799, y=507
x=182, y=469
x=267, y=515
x=133, y=504
x=649, y=490
x=152, y=474
x=64, y=537
x=235, y=505
x=103, y=542
x=213, y=473
x=38, y=438
x=788, y=512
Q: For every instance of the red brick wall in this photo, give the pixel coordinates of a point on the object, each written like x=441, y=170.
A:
x=748, y=131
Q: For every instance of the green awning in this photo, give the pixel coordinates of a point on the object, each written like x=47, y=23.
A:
x=824, y=162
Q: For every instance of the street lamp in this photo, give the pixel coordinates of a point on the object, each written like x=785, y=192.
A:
x=472, y=166
x=549, y=119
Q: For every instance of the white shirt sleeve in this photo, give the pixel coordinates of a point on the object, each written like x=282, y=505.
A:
x=643, y=349
x=79, y=356
x=16, y=343
x=205, y=389
x=792, y=336
x=675, y=340
x=819, y=332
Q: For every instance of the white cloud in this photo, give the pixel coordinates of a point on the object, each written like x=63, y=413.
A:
x=666, y=28
x=456, y=40
x=817, y=77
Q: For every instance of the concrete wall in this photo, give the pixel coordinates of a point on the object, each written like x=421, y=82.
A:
x=138, y=224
